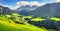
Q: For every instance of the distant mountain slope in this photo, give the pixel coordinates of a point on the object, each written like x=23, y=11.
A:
x=24, y=10
x=48, y=10
x=26, y=7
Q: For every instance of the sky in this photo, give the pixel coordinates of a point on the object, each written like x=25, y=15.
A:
x=17, y=3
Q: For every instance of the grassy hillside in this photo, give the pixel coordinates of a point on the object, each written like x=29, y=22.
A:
x=6, y=26
x=16, y=22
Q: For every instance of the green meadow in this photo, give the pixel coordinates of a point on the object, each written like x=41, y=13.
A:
x=13, y=23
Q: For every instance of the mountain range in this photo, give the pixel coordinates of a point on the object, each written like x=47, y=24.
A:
x=47, y=10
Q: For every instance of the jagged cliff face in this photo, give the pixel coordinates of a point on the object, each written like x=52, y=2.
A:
x=1, y=11
x=5, y=10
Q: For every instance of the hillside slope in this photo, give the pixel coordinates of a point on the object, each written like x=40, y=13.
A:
x=6, y=26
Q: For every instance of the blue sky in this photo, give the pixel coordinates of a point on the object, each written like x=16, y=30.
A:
x=13, y=3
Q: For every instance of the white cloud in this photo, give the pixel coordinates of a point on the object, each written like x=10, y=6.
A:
x=6, y=6
x=29, y=3
x=23, y=3
x=57, y=0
